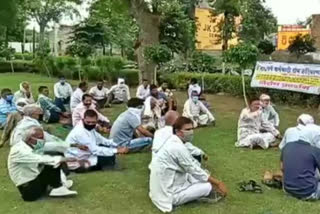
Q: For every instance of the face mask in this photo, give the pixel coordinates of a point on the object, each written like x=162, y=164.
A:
x=9, y=98
x=99, y=87
x=89, y=127
x=195, y=99
x=39, y=145
x=187, y=136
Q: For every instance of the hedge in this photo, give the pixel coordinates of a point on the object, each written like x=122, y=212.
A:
x=23, y=56
x=215, y=83
x=18, y=66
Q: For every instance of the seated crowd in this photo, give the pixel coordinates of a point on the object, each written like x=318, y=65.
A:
x=38, y=159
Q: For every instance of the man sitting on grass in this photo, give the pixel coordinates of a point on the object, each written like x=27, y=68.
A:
x=100, y=153
x=62, y=91
x=143, y=91
x=33, y=172
x=253, y=129
x=52, y=112
x=129, y=122
x=300, y=164
x=197, y=111
x=119, y=93
x=176, y=177
x=7, y=106
x=77, y=95
x=24, y=92
x=268, y=111
x=99, y=94
x=293, y=134
x=87, y=103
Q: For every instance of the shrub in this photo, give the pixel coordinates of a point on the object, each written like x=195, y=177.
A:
x=202, y=62
x=215, y=83
x=266, y=47
x=18, y=65
x=23, y=56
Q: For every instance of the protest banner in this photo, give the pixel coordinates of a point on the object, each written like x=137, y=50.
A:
x=287, y=76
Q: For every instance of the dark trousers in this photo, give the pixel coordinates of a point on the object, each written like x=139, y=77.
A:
x=60, y=102
x=54, y=116
x=198, y=158
x=101, y=103
x=36, y=188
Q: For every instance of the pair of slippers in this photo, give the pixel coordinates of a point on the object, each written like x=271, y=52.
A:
x=249, y=186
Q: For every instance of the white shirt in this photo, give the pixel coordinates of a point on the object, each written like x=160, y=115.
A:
x=291, y=135
x=76, y=98
x=25, y=165
x=171, y=169
x=78, y=113
x=120, y=92
x=62, y=91
x=142, y=92
x=192, y=109
x=99, y=94
x=92, y=139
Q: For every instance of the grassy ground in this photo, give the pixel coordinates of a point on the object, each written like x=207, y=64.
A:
x=127, y=191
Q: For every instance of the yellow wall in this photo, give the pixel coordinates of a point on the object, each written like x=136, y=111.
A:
x=285, y=37
x=208, y=32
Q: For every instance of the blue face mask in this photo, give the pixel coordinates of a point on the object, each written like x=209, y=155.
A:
x=9, y=98
x=195, y=99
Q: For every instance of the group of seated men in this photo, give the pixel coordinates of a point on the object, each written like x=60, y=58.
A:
x=39, y=162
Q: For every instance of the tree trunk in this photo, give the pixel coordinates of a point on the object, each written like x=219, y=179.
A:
x=149, y=24
x=225, y=38
x=6, y=42
x=33, y=43
x=41, y=37
x=110, y=50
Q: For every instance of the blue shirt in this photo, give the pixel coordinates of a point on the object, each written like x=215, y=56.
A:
x=300, y=161
x=123, y=128
x=5, y=109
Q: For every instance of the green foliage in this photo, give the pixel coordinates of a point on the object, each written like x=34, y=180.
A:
x=8, y=12
x=23, y=56
x=80, y=49
x=18, y=65
x=215, y=83
x=266, y=47
x=6, y=52
x=201, y=62
x=257, y=21
x=243, y=54
x=302, y=45
x=157, y=54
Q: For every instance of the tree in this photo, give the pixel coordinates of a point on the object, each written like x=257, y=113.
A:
x=45, y=11
x=257, y=21
x=266, y=47
x=8, y=12
x=230, y=10
x=302, y=45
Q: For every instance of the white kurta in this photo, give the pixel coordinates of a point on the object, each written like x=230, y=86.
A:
x=197, y=112
x=99, y=94
x=62, y=91
x=291, y=135
x=250, y=125
x=270, y=114
x=52, y=143
x=92, y=139
x=152, y=117
x=175, y=176
x=76, y=98
x=142, y=92
x=120, y=92
x=25, y=165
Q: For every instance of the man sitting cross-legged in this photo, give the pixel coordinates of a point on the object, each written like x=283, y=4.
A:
x=176, y=177
x=87, y=103
x=197, y=111
x=253, y=129
x=129, y=122
x=32, y=171
x=300, y=164
x=7, y=106
x=163, y=134
x=101, y=152
x=52, y=112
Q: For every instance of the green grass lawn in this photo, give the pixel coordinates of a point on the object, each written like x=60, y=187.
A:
x=127, y=191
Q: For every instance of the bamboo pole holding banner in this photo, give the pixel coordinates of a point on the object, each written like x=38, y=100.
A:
x=244, y=88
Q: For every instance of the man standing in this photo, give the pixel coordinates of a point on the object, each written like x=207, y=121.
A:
x=197, y=111
x=32, y=171
x=7, y=106
x=77, y=95
x=62, y=91
x=99, y=94
x=253, y=130
x=100, y=153
x=143, y=90
x=123, y=129
x=176, y=177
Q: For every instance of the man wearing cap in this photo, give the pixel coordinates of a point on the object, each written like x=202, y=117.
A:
x=119, y=93
x=268, y=112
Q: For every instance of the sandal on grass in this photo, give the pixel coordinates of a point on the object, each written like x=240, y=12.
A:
x=249, y=186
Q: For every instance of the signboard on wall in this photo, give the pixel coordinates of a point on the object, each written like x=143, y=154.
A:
x=285, y=37
x=208, y=30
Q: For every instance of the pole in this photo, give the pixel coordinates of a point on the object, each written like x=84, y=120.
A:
x=244, y=88
x=33, y=43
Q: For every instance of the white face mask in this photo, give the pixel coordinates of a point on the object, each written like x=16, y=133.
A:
x=187, y=136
